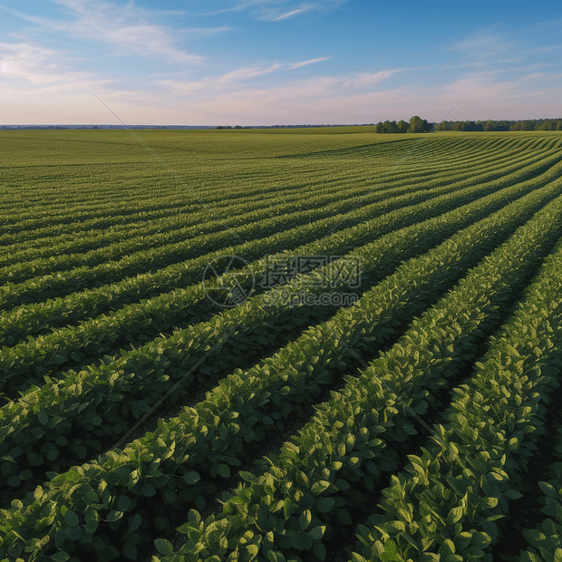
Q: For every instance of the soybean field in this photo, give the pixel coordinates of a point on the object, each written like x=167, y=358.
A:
x=280, y=345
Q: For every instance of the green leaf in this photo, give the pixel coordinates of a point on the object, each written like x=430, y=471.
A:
x=548, y=489
x=60, y=556
x=224, y=470
x=324, y=505
x=319, y=550
x=319, y=487
x=148, y=490
x=135, y=522
x=317, y=533
x=192, y=477
x=454, y=515
x=124, y=503
x=164, y=546
x=114, y=516
x=13, y=481
x=305, y=519
x=71, y=519
x=130, y=551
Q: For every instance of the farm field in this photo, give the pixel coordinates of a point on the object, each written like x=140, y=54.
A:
x=369, y=371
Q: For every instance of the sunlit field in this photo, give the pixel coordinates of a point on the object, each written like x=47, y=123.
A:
x=275, y=345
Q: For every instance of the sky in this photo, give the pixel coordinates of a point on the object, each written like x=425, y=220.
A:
x=267, y=62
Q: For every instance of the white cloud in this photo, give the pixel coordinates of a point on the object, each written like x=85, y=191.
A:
x=124, y=27
x=278, y=10
x=128, y=28
x=296, y=65
x=235, y=81
x=486, y=46
x=213, y=84
x=291, y=13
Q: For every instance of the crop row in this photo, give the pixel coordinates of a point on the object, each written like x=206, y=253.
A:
x=147, y=369
x=245, y=408
x=447, y=501
x=120, y=223
x=49, y=353
x=123, y=204
x=318, y=206
x=546, y=539
x=334, y=464
x=21, y=267
x=152, y=234
x=175, y=355
x=33, y=318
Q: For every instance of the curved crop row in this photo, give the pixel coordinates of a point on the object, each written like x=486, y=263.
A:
x=123, y=206
x=175, y=226
x=45, y=354
x=201, y=217
x=318, y=207
x=244, y=407
x=91, y=302
x=447, y=501
x=337, y=459
x=23, y=426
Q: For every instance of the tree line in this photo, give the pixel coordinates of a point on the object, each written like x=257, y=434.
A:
x=525, y=125
x=414, y=125
x=418, y=125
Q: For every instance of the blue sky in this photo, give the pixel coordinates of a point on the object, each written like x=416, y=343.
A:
x=253, y=62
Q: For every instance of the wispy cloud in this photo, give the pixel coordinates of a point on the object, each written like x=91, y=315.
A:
x=29, y=71
x=236, y=81
x=128, y=29
x=291, y=13
x=485, y=45
x=278, y=10
x=296, y=65
x=228, y=81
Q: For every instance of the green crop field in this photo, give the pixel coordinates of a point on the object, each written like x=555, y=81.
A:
x=306, y=345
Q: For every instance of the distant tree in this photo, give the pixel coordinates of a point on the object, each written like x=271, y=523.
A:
x=559, y=125
x=419, y=125
x=237, y=126
x=391, y=127
x=416, y=124
x=549, y=125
